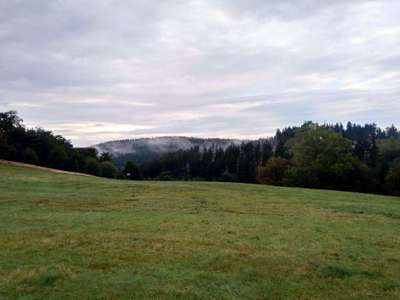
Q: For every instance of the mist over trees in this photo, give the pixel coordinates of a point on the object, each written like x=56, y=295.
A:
x=349, y=157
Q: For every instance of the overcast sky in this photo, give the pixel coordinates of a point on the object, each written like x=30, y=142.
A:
x=103, y=70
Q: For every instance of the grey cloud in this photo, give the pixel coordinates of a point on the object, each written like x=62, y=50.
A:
x=283, y=9
x=234, y=68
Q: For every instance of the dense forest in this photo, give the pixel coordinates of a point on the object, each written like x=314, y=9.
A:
x=42, y=147
x=353, y=157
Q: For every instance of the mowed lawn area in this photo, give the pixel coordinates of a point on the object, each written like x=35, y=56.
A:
x=74, y=237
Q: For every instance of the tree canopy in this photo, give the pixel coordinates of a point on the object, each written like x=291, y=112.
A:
x=331, y=156
x=41, y=147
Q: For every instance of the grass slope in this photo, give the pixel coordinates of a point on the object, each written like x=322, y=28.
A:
x=73, y=237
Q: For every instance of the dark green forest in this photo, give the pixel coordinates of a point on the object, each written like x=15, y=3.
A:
x=354, y=157
x=351, y=157
x=43, y=148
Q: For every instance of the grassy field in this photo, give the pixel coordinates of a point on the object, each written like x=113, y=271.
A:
x=74, y=237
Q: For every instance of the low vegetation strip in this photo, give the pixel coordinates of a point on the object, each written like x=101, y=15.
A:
x=64, y=236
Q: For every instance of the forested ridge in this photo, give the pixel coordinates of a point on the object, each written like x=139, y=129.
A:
x=349, y=157
x=141, y=150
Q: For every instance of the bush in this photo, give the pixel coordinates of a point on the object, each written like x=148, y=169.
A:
x=322, y=158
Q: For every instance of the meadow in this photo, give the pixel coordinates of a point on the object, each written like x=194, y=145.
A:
x=65, y=236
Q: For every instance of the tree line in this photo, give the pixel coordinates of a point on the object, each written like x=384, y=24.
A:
x=354, y=157
x=349, y=157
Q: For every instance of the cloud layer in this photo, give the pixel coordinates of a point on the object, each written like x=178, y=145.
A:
x=100, y=70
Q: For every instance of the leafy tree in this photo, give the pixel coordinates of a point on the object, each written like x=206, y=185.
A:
x=273, y=172
x=58, y=157
x=92, y=167
x=393, y=178
x=389, y=149
x=10, y=120
x=77, y=161
x=322, y=158
x=87, y=152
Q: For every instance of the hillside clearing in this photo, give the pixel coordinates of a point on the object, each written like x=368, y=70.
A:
x=64, y=236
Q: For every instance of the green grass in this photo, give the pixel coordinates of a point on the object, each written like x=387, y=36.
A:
x=74, y=237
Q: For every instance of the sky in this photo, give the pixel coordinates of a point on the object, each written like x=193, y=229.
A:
x=94, y=70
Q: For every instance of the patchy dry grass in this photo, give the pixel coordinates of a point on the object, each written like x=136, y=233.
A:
x=72, y=237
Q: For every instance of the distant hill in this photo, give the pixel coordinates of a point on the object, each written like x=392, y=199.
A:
x=145, y=149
